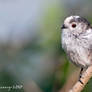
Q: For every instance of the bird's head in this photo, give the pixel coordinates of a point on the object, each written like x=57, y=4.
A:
x=75, y=24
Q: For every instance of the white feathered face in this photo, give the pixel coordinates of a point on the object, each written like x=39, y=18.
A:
x=75, y=24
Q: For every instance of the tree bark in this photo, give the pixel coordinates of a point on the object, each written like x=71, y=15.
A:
x=78, y=87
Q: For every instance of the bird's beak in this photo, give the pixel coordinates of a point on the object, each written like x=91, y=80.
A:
x=63, y=26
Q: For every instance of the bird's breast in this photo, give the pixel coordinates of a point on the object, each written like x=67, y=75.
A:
x=75, y=50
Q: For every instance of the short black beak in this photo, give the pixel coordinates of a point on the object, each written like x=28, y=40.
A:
x=63, y=26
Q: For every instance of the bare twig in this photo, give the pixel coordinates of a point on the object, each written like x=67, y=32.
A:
x=78, y=87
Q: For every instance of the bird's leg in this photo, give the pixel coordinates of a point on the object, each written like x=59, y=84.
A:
x=81, y=71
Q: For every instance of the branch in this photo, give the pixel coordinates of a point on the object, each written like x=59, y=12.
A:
x=78, y=87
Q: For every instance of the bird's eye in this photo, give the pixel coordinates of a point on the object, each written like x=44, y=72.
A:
x=73, y=25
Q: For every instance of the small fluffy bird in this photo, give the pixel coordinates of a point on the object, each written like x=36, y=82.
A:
x=76, y=40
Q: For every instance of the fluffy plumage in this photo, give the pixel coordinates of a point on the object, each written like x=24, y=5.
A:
x=77, y=40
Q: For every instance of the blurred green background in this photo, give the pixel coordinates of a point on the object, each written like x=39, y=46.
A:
x=31, y=56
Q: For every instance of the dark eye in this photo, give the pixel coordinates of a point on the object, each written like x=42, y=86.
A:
x=73, y=25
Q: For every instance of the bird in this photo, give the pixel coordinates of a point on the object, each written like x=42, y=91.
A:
x=76, y=40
